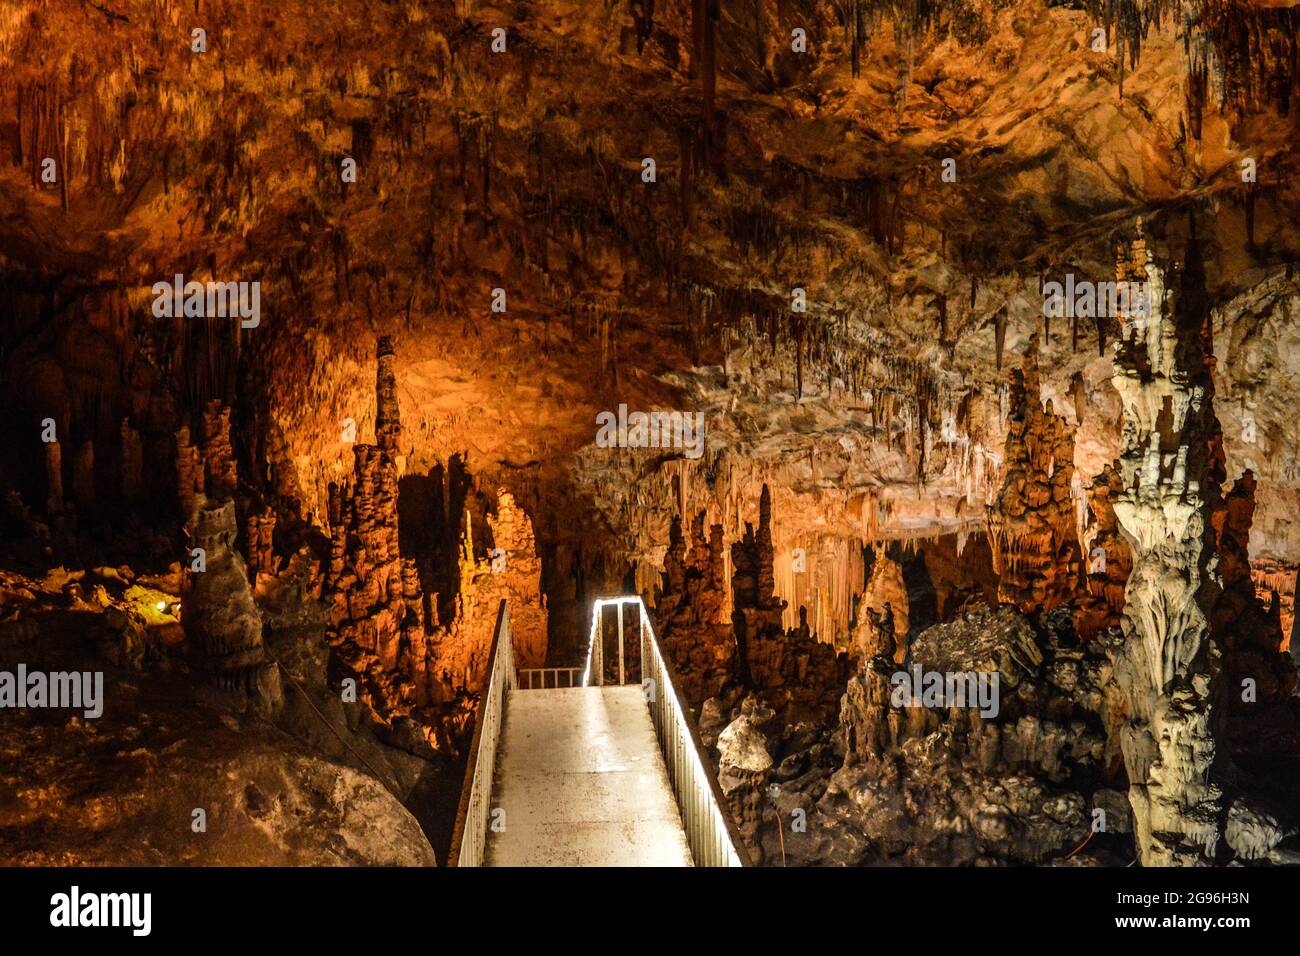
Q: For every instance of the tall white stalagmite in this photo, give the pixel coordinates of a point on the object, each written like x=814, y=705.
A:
x=1167, y=665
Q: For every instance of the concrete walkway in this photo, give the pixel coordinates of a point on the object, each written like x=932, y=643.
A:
x=582, y=783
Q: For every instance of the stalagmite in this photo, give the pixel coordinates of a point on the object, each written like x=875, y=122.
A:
x=1033, y=524
x=189, y=474
x=259, y=530
x=219, y=614
x=883, y=613
x=53, y=479
x=388, y=422
x=1167, y=665
x=132, y=464
x=689, y=609
x=999, y=335
x=1108, y=560
x=767, y=658
x=218, y=454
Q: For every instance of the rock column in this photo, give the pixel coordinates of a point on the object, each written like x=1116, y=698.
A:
x=1167, y=665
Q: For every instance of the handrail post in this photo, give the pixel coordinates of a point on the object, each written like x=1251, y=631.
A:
x=622, y=678
x=598, y=651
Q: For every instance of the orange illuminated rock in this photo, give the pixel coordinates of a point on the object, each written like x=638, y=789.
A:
x=1108, y=561
x=689, y=611
x=1032, y=526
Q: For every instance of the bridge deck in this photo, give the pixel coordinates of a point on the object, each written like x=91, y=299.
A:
x=582, y=783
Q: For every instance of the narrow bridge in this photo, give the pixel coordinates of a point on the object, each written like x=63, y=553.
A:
x=574, y=766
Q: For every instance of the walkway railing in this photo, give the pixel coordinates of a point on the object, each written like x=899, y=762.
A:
x=470, y=834
x=710, y=834
x=549, y=678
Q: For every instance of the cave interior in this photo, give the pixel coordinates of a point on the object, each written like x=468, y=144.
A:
x=864, y=342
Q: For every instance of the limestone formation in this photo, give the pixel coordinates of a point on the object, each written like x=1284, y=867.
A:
x=1169, y=667
x=364, y=583
x=1032, y=526
x=388, y=421
x=189, y=474
x=132, y=464
x=689, y=610
x=517, y=578
x=882, y=613
x=53, y=479
x=1260, y=678
x=218, y=455
x=827, y=233
x=409, y=664
x=1275, y=586
x=787, y=669
x=1107, y=560
x=219, y=614
x=259, y=531
x=938, y=785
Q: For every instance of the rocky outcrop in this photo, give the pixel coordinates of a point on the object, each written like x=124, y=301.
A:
x=937, y=785
x=161, y=781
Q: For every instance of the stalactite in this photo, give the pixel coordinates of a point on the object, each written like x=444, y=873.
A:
x=1249, y=204
x=20, y=100
x=999, y=335
x=855, y=30
x=61, y=147
x=799, y=346
x=643, y=17
x=709, y=62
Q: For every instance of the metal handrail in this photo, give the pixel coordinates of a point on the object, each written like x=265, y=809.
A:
x=712, y=837
x=535, y=678
x=470, y=834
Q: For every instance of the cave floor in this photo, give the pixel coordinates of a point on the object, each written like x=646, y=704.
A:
x=582, y=783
